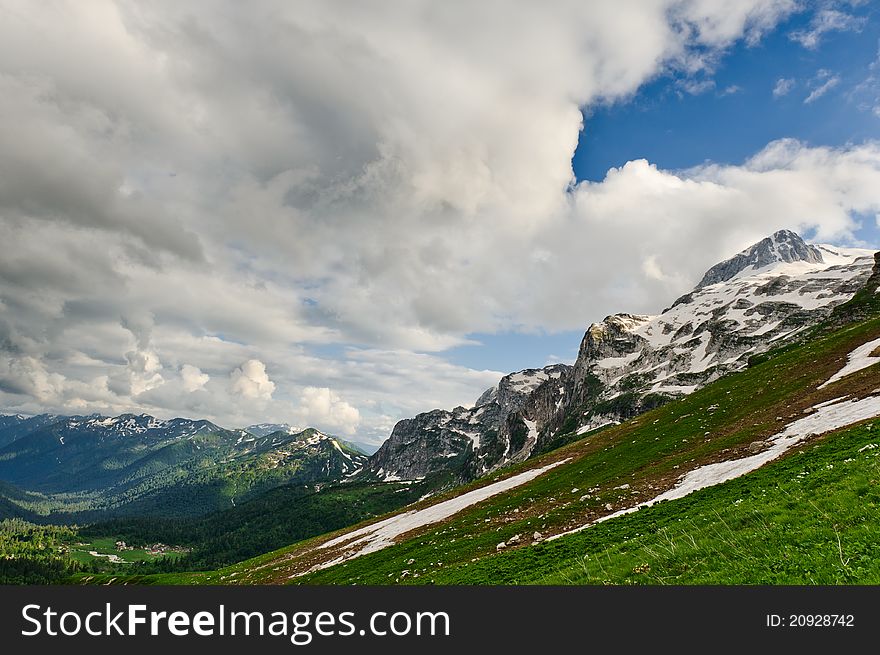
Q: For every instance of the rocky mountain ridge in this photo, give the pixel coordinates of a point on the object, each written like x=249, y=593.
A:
x=628, y=363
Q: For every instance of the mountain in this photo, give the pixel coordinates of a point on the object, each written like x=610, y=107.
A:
x=782, y=246
x=15, y=426
x=467, y=442
x=766, y=475
x=716, y=328
x=89, y=466
x=263, y=429
x=628, y=364
x=776, y=346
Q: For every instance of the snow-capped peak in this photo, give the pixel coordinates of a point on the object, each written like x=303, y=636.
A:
x=743, y=306
x=783, y=246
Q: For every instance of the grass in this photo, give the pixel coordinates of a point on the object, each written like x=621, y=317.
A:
x=80, y=551
x=810, y=518
x=778, y=531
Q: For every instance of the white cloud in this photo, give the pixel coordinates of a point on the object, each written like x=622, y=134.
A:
x=28, y=376
x=696, y=87
x=251, y=381
x=143, y=367
x=825, y=21
x=193, y=378
x=866, y=94
x=321, y=406
x=686, y=220
x=652, y=269
x=783, y=87
x=340, y=193
x=822, y=84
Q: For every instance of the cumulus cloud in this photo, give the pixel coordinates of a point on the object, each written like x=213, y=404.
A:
x=193, y=378
x=323, y=406
x=339, y=194
x=251, y=381
x=28, y=376
x=143, y=368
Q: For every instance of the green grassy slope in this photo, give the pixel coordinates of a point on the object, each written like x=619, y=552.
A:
x=810, y=518
x=621, y=466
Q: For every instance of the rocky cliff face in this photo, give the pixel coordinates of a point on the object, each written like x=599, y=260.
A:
x=873, y=283
x=630, y=363
x=467, y=442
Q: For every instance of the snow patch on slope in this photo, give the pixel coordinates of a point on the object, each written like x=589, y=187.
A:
x=377, y=536
x=826, y=418
x=857, y=360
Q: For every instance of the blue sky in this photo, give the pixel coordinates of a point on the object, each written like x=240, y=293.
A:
x=730, y=115
x=676, y=129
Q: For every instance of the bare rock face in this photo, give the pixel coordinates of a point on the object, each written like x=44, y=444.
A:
x=873, y=283
x=466, y=442
x=432, y=441
x=628, y=363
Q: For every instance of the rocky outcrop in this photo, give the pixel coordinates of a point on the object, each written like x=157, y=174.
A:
x=872, y=285
x=865, y=302
x=432, y=441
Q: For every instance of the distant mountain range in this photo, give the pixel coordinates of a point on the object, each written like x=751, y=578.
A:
x=90, y=466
